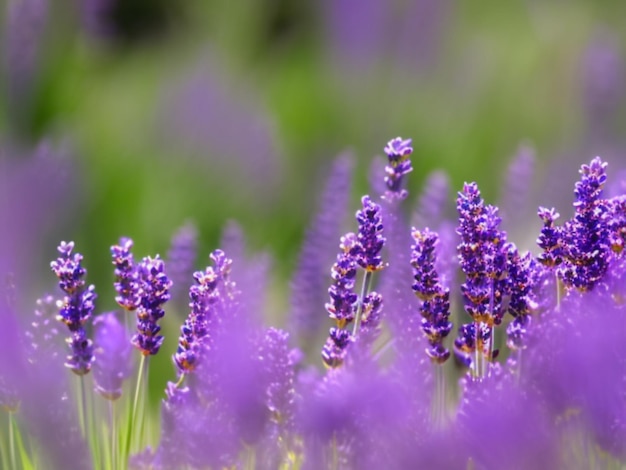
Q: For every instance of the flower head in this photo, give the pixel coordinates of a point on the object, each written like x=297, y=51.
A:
x=112, y=353
x=399, y=164
x=370, y=236
x=155, y=292
x=128, y=282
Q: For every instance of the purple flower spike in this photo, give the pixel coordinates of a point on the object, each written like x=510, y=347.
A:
x=550, y=240
x=128, y=284
x=343, y=299
x=113, y=353
x=181, y=258
x=212, y=287
x=155, y=293
x=399, y=164
x=371, y=317
x=370, y=236
x=587, y=243
x=43, y=334
x=435, y=299
x=76, y=307
x=334, y=351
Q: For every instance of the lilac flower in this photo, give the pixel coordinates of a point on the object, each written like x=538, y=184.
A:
x=434, y=298
x=128, y=283
x=113, y=353
x=76, y=307
x=370, y=238
x=398, y=152
x=181, y=258
x=155, y=293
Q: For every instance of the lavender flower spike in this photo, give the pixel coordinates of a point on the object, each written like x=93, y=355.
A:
x=128, y=284
x=398, y=152
x=343, y=300
x=76, y=307
x=112, y=352
x=156, y=287
x=370, y=236
x=181, y=258
x=435, y=299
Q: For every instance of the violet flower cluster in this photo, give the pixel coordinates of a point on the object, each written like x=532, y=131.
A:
x=537, y=379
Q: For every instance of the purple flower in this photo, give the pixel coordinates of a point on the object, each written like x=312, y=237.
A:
x=76, y=307
x=210, y=290
x=128, y=283
x=308, y=286
x=43, y=332
x=155, y=292
x=434, y=298
x=550, y=240
x=181, y=258
x=370, y=238
x=433, y=201
x=399, y=164
x=335, y=348
x=113, y=353
x=586, y=237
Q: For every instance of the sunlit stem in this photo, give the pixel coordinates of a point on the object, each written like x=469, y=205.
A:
x=367, y=281
x=439, y=402
x=83, y=407
x=113, y=434
x=559, y=292
x=12, y=440
x=133, y=414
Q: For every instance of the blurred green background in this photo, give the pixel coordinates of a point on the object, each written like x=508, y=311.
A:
x=217, y=110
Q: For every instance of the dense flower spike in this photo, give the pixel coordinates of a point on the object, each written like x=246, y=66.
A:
x=434, y=298
x=550, y=239
x=370, y=236
x=335, y=348
x=181, y=258
x=76, y=307
x=522, y=304
x=587, y=241
x=113, y=354
x=398, y=152
x=127, y=281
x=482, y=255
x=212, y=286
x=343, y=299
x=155, y=292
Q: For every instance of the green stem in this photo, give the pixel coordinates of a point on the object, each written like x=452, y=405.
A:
x=367, y=281
x=3, y=450
x=12, y=441
x=113, y=434
x=133, y=415
x=83, y=407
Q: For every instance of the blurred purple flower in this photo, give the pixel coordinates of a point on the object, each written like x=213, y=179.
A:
x=181, y=259
x=113, y=355
x=433, y=201
x=308, y=286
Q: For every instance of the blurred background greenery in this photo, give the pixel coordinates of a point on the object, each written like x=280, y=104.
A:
x=214, y=110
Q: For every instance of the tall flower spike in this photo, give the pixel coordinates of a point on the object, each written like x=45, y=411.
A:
x=343, y=300
x=587, y=243
x=155, y=292
x=434, y=298
x=181, y=258
x=213, y=285
x=127, y=282
x=76, y=307
x=113, y=353
x=370, y=236
x=550, y=240
x=399, y=164
x=521, y=280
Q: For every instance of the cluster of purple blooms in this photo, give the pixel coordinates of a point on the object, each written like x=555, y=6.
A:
x=245, y=396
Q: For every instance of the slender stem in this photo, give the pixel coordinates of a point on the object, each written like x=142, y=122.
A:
x=3, y=450
x=367, y=280
x=558, y=291
x=113, y=434
x=439, y=402
x=83, y=407
x=133, y=414
x=12, y=441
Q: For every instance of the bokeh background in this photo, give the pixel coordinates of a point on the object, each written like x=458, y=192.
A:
x=132, y=117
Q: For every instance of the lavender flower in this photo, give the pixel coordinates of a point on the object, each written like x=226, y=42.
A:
x=113, y=353
x=128, y=283
x=155, y=293
x=181, y=258
x=433, y=201
x=521, y=283
x=399, y=164
x=435, y=299
x=550, y=240
x=586, y=237
x=76, y=307
x=308, y=286
x=370, y=238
